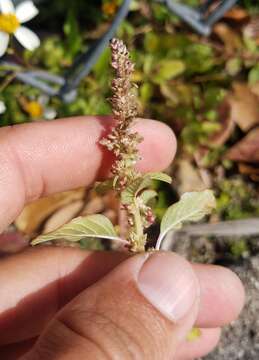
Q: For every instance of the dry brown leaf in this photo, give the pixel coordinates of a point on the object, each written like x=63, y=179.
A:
x=188, y=177
x=93, y=206
x=254, y=177
x=244, y=106
x=229, y=37
x=251, y=171
x=237, y=13
x=248, y=169
x=246, y=150
x=111, y=215
x=63, y=215
x=227, y=125
x=35, y=213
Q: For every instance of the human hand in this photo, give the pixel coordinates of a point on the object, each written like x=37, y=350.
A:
x=98, y=305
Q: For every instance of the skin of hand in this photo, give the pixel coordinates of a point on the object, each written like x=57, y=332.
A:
x=65, y=303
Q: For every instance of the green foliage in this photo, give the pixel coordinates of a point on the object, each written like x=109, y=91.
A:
x=92, y=226
x=134, y=189
x=74, y=41
x=182, y=78
x=239, y=248
x=193, y=206
x=237, y=199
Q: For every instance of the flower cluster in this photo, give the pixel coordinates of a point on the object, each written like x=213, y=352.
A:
x=11, y=21
x=123, y=142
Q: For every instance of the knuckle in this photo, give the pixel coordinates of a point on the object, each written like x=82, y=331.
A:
x=118, y=334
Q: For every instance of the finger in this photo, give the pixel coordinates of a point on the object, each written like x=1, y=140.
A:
x=39, y=274
x=136, y=311
x=222, y=295
x=190, y=350
x=15, y=351
x=41, y=280
x=43, y=158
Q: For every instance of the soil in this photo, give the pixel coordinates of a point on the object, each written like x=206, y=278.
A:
x=240, y=340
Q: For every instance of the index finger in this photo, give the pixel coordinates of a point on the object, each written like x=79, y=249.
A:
x=42, y=158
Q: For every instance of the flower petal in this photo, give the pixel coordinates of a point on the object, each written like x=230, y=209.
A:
x=2, y=107
x=26, y=11
x=50, y=113
x=6, y=6
x=27, y=38
x=4, y=39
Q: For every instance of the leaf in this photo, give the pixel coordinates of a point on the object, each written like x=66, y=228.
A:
x=188, y=177
x=168, y=69
x=230, y=38
x=128, y=195
x=159, y=176
x=63, y=216
x=227, y=126
x=93, y=226
x=148, y=195
x=37, y=212
x=244, y=107
x=72, y=32
x=237, y=13
x=193, y=206
x=234, y=66
x=247, y=149
x=253, y=76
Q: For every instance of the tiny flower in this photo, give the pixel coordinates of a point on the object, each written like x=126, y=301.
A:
x=2, y=107
x=109, y=7
x=10, y=24
x=38, y=108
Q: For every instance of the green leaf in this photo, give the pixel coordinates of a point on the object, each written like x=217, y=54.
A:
x=253, y=76
x=93, y=226
x=159, y=176
x=141, y=183
x=148, y=195
x=168, y=69
x=72, y=32
x=193, y=206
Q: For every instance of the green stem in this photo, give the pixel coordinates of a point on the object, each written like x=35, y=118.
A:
x=138, y=229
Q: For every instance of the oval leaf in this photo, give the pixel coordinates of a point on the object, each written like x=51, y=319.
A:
x=148, y=195
x=132, y=191
x=193, y=206
x=94, y=226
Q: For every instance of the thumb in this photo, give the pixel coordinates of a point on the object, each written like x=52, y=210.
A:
x=140, y=310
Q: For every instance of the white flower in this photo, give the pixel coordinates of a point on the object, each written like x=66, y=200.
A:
x=2, y=107
x=10, y=24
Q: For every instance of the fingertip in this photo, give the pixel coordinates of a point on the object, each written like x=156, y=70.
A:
x=222, y=295
x=234, y=292
x=159, y=146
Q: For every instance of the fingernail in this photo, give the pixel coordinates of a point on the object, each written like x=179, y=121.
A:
x=168, y=282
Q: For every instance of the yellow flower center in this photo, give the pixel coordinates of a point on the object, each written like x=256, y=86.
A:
x=109, y=8
x=34, y=109
x=9, y=23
